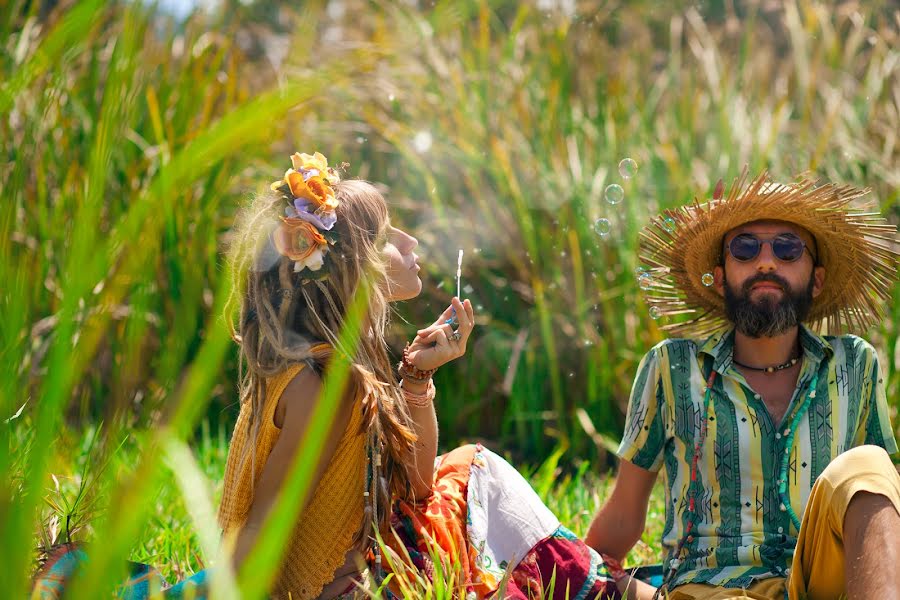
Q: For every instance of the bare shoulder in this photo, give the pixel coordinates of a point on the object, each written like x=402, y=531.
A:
x=298, y=398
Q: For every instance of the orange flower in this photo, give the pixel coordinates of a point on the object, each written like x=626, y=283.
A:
x=315, y=189
x=301, y=242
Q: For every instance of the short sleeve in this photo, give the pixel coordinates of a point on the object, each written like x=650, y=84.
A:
x=879, y=430
x=644, y=437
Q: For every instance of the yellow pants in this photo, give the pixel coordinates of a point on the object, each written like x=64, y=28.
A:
x=817, y=571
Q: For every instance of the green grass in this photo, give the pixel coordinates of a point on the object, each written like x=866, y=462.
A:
x=170, y=540
x=127, y=141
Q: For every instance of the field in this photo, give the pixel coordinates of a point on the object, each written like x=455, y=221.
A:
x=129, y=138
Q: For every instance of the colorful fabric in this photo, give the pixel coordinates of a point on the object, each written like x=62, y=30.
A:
x=742, y=535
x=483, y=516
x=817, y=570
x=143, y=581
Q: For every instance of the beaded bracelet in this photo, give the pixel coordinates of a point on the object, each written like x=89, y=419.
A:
x=614, y=567
x=407, y=370
x=419, y=400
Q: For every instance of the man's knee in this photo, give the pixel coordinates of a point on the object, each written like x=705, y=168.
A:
x=858, y=462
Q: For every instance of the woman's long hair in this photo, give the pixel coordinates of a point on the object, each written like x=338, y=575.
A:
x=284, y=320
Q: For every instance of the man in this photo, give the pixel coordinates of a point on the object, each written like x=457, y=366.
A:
x=764, y=424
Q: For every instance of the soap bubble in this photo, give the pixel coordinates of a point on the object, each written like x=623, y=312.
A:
x=422, y=142
x=640, y=270
x=645, y=281
x=708, y=279
x=668, y=223
x=655, y=312
x=627, y=168
x=602, y=227
x=614, y=193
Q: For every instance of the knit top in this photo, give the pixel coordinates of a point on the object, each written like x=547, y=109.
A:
x=324, y=531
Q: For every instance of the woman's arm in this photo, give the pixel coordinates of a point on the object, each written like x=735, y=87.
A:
x=434, y=346
x=425, y=425
x=292, y=414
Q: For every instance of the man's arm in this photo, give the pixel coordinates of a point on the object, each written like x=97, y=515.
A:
x=619, y=523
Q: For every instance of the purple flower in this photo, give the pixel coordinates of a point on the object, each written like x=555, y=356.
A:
x=324, y=221
x=307, y=173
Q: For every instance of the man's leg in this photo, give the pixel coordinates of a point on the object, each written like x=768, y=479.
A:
x=834, y=557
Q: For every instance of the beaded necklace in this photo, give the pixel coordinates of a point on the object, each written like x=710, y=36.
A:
x=373, y=466
x=788, y=445
x=782, y=481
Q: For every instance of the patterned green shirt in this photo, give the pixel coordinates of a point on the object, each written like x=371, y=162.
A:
x=742, y=534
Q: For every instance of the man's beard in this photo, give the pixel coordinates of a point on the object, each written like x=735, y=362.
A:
x=768, y=316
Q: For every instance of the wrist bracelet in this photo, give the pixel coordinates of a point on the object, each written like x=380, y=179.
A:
x=419, y=400
x=407, y=370
x=614, y=567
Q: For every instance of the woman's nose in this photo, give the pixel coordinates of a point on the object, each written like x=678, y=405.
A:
x=411, y=243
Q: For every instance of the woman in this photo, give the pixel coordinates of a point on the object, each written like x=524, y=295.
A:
x=303, y=252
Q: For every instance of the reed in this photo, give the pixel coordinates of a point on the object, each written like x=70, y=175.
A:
x=129, y=139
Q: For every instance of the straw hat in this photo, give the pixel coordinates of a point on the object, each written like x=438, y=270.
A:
x=858, y=250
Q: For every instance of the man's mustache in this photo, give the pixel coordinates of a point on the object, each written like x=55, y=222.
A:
x=765, y=277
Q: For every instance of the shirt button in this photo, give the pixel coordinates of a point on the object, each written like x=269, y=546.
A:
x=781, y=530
x=757, y=396
x=777, y=436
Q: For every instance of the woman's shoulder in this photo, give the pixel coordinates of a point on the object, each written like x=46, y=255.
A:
x=298, y=374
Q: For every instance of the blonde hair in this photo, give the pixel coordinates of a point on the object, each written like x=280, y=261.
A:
x=285, y=320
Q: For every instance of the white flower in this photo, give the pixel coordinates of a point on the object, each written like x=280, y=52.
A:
x=313, y=262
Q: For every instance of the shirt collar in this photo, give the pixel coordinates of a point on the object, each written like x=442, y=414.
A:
x=720, y=347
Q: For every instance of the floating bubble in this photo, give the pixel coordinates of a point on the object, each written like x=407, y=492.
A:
x=614, y=193
x=645, y=281
x=668, y=223
x=422, y=141
x=468, y=289
x=602, y=227
x=640, y=270
x=390, y=97
x=708, y=279
x=627, y=168
x=655, y=312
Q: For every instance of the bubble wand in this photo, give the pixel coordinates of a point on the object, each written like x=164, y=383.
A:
x=453, y=320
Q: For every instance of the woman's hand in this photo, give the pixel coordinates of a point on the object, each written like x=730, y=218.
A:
x=439, y=343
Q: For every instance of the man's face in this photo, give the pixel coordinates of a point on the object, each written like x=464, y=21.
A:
x=767, y=296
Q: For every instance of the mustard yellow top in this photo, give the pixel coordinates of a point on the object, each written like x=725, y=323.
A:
x=324, y=532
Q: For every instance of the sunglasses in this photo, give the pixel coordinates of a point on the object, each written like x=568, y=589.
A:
x=786, y=247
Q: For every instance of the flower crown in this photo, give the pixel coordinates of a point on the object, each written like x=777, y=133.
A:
x=306, y=230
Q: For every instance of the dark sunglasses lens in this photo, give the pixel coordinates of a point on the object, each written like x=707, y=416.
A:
x=787, y=247
x=744, y=247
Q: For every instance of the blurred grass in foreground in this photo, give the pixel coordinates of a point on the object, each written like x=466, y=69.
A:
x=169, y=540
x=127, y=141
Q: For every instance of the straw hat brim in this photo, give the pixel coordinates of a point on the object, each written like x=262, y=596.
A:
x=857, y=248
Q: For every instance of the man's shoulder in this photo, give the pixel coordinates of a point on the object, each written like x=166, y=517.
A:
x=676, y=345
x=852, y=347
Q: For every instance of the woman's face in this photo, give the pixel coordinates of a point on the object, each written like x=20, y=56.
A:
x=403, y=280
